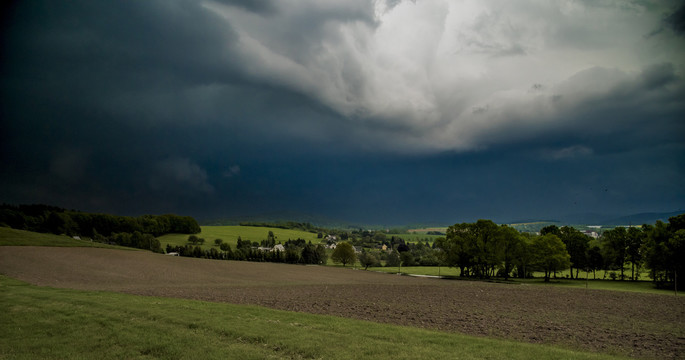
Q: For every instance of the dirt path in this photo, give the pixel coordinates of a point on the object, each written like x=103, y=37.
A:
x=640, y=325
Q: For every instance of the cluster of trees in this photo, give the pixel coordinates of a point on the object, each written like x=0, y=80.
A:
x=659, y=248
x=50, y=219
x=484, y=249
x=135, y=240
x=398, y=253
x=296, y=251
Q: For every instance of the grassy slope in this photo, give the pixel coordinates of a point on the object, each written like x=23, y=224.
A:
x=13, y=237
x=40, y=322
x=229, y=234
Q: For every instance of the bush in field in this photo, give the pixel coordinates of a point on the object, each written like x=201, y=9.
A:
x=218, y=242
x=393, y=259
x=313, y=254
x=407, y=258
x=292, y=256
x=368, y=259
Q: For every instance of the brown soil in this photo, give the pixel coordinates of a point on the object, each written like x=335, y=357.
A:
x=639, y=325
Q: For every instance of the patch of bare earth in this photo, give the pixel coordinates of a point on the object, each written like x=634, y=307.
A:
x=639, y=325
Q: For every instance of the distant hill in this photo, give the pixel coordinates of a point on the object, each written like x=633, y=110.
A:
x=531, y=221
x=617, y=219
x=642, y=218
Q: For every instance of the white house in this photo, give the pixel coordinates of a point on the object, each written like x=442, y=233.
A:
x=591, y=233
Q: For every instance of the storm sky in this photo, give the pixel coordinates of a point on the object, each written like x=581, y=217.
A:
x=388, y=111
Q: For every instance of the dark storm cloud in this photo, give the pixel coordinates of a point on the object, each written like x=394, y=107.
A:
x=373, y=111
x=677, y=20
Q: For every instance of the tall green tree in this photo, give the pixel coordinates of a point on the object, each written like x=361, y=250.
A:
x=458, y=245
x=664, y=251
x=595, y=260
x=512, y=246
x=635, y=237
x=616, y=244
x=487, y=254
x=525, y=259
x=576, y=245
x=344, y=253
x=270, y=239
x=480, y=248
x=551, y=255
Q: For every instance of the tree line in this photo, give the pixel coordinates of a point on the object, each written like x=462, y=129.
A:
x=55, y=220
x=138, y=232
x=484, y=249
x=296, y=251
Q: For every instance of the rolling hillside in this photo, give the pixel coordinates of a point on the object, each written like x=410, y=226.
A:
x=230, y=234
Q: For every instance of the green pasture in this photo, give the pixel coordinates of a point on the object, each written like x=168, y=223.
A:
x=419, y=270
x=643, y=286
x=14, y=237
x=598, y=275
x=49, y=323
x=230, y=234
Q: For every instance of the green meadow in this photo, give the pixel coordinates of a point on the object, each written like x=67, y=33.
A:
x=230, y=234
x=643, y=286
x=49, y=323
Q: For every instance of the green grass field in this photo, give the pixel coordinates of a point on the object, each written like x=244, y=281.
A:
x=644, y=286
x=229, y=234
x=13, y=237
x=419, y=270
x=48, y=323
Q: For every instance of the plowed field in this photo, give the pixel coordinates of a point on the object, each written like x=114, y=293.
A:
x=640, y=325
